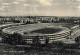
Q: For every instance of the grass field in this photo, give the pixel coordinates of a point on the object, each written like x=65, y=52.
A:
x=8, y=50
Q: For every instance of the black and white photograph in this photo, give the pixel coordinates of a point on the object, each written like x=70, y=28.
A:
x=39, y=27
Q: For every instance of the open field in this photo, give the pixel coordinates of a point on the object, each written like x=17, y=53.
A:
x=9, y=50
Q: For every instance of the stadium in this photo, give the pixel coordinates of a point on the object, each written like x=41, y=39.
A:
x=39, y=33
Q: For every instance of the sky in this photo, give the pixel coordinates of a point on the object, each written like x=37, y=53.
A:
x=39, y=7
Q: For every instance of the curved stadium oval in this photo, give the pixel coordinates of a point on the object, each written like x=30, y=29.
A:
x=29, y=31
